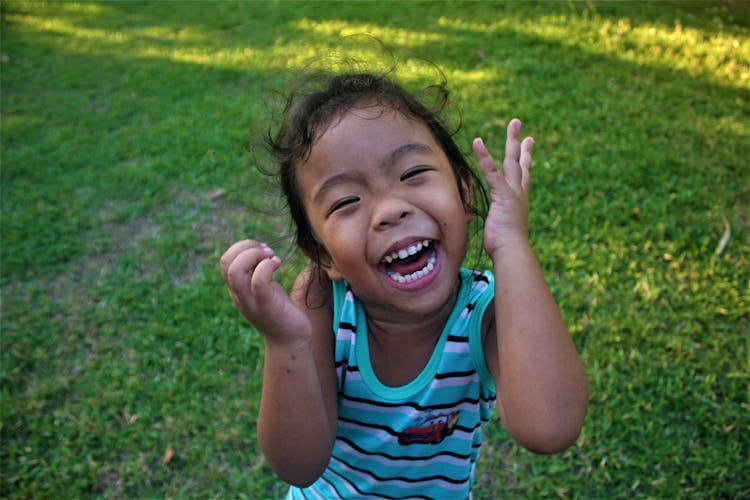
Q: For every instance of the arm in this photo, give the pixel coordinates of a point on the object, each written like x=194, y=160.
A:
x=542, y=389
x=297, y=421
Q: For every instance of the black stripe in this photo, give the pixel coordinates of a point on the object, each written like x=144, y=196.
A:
x=468, y=430
x=370, y=425
x=302, y=492
x=347, y=326
x=367, y=494
x=440, y=376
x=349, y=368
x=396, y=457
x=454, y=338
x=481, y=277
x=405, y=479
x=333, y=486
x=383, y=404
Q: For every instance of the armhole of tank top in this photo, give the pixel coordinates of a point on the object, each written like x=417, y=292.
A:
x=476, y=344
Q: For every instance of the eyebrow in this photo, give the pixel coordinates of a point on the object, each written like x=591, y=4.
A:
x=405, y=150
x=331, y=183
x=390, y=160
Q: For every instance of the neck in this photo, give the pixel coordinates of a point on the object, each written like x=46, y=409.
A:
x=389, y=326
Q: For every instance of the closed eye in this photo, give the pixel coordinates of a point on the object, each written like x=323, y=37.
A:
x=342, y=203
x=414, y=171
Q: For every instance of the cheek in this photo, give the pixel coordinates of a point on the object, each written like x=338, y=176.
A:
x=341, y=240
x=451, y=209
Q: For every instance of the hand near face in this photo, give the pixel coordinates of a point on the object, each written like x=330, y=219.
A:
x=248, y=267
x=507, y=218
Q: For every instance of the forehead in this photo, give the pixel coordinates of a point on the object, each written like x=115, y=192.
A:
x=367, y=134
x=363, y=142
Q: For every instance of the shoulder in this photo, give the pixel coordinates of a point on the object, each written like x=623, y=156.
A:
x=313, y=293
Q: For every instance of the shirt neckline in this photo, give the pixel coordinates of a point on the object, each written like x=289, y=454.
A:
x=425, y=377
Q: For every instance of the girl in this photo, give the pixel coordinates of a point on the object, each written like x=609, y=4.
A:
x=384, y=361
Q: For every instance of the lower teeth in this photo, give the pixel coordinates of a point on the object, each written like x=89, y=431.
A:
x=416, y=274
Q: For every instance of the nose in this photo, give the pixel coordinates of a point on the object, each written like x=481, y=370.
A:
x=390, y=212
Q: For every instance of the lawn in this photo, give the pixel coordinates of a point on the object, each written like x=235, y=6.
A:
x=129, y=134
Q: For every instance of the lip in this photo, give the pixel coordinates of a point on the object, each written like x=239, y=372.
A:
x=418, y=283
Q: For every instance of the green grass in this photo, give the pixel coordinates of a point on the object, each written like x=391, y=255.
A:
x=119, y=120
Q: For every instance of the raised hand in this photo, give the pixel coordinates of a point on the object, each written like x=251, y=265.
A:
x=248, y=267
x=507, y=218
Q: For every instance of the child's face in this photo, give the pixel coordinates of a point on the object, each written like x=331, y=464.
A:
x=383, y=201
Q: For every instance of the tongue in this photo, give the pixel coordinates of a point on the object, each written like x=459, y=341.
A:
x=411, y=264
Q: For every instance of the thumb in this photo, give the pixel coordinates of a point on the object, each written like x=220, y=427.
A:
x=262, y=279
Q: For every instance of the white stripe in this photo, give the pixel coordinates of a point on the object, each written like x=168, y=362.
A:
x=346, y=484
x=456, y=347
x=412, y=413
x=352, y=377
x=388, y=462
x=377, y=433
x=345, y=335
x=398, y=483
x=328, y=482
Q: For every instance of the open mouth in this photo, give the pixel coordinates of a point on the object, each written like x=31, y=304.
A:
x=411, y=263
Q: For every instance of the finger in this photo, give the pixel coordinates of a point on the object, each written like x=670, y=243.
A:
x=526, y=161
x=486, y=162
x=241, y=269
x=262, y=278
x=512, y=142
x=511, y=166
x=231, y=254
x=266, y=294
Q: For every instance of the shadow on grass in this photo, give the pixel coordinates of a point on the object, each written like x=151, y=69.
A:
x=568, y=95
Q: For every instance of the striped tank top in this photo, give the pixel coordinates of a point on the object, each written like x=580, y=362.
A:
x=419, y=440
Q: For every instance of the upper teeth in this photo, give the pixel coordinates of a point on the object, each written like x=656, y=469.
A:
x=427, y=269
x=405, y=252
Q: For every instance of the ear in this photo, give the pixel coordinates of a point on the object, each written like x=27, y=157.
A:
x=327, y=265
x=333, y=272
x=467, y=193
